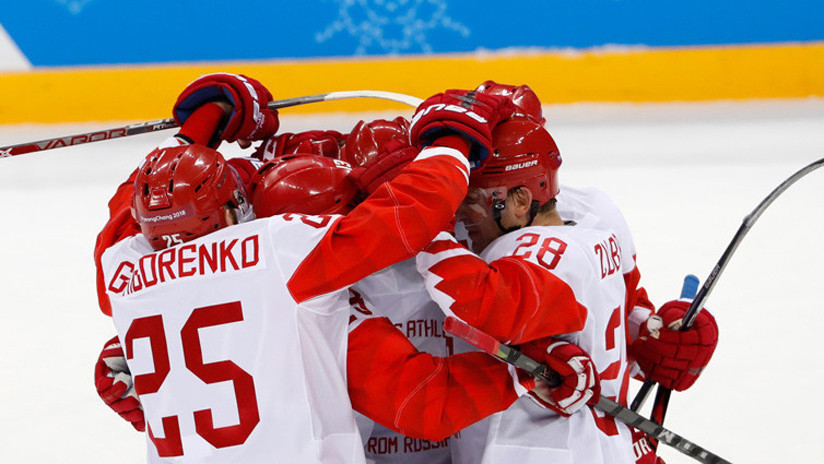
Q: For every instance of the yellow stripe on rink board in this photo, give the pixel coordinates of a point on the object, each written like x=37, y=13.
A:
x=629, y=75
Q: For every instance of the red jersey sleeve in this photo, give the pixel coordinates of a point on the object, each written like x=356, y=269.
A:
x=420, y=395
x=512, y=299
x=120, y=225
x=396, y=222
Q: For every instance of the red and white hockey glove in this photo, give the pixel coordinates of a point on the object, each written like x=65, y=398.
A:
x=580, y=384
x=644, y=454
x=384, y=167
x=467, y=113
x=670, y=357
x=250, y=118
x=114, y=384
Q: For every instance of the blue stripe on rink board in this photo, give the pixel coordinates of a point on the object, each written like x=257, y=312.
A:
x=87, y=32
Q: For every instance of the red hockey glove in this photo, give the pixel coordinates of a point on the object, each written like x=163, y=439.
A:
x=250, y=119
x=384, y=167
x=468, y=113
x=580, y=385
x=644, y=454
x=114, y=384
x=672, y=358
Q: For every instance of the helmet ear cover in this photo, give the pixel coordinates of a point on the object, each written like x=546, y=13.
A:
x=180, y=194
x=303, y=184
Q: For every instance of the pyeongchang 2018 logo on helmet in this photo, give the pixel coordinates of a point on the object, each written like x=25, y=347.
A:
x=166, y=217
x=524, y=165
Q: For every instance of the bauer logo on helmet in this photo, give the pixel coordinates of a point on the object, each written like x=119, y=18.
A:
x=523, y=165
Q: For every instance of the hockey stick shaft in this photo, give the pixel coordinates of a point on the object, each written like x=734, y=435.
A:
x=488, y=344
x=662, y=395
x=746, y=225
x=709, y=284
x=163, y=124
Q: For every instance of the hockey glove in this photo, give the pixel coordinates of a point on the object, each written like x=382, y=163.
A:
x=250, y=118
x=580, y=384
x=467, y=113
x=670, y=357
x=114, y=384
x=384, y=167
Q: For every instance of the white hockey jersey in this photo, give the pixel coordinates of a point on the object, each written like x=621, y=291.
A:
x=589, y=260
x=220, y=363
x=596, y=262
x=398, y=293
x=237, y=340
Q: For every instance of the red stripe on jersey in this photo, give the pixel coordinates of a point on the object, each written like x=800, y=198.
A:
x=511, y=299
x=397, y=221
x=636, y=296
x=417, y=394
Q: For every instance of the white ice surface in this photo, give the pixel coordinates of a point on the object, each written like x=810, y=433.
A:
x=685, y=176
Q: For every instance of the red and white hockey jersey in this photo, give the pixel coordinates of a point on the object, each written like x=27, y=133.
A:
x=402, y=374
x=237, y=341
x=588, y=260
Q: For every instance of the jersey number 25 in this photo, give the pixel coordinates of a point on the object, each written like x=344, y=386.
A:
x=151, y=327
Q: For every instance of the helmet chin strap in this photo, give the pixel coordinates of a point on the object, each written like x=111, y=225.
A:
x=499, y=205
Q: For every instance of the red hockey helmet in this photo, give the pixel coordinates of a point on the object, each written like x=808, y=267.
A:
x=368, y=140
x=317, y=142
x=304, y=184
x=524, y=154
x=521, y=95
x=180, y=192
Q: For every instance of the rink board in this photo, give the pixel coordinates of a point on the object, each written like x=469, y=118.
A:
x=146, y=92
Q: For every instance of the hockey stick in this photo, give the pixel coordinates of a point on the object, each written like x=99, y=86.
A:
x=663, y=394
x=163, y=124
x=488, y=344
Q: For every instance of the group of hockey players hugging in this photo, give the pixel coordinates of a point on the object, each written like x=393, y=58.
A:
x=288, y=307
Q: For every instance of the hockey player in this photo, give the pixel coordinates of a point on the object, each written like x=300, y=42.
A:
x=511, y=216
x=423, y=395
x=162, y=232
x=674, y=370
x=363, y=145
x=186, y=271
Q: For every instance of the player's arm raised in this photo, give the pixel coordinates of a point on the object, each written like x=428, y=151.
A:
x=403, y=215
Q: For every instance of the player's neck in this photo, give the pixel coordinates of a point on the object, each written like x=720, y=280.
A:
x=551, y=218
